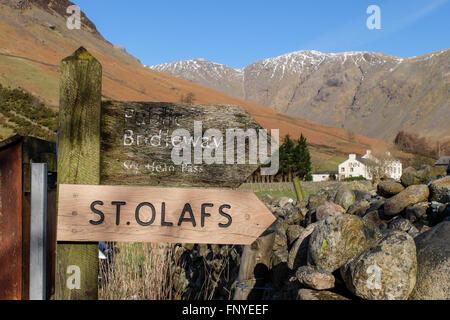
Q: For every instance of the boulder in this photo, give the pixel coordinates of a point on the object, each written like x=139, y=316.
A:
x=316, y=200
x=364, y=186
x=293, y=232
x=440, y=190
x=344, y=197
x=389, y=188
x=308, y=294
x=298, y=253
x=294, y=215
x=359, y=209
x=374, y=217
x=315, y=279
x=328, y=209
x=267, y=199
x=280, y=228
x=411, y=176
x=339, y=238
x=416, y=211
x=433, y=261
x=361, y=195
x=437, y=213
x=385, y=271
x=411, y=195
x=400, y=224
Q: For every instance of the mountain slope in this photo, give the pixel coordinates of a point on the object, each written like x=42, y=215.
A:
x=371, y=93
x=34, y=38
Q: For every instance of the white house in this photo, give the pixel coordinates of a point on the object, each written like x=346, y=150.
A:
x=355, y=167
x=324, y=176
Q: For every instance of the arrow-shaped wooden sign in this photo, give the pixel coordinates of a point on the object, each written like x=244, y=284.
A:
x=148, y=214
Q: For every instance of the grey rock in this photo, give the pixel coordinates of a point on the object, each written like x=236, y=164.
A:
x=411, y=195
x=360, y=208
x=440, y=190
x=361, y=195
x=315, y=279
x=433, y=259
x=298, y=253
x=437, y=213
x=339, y=238
x=294, y=215
x=316, y=200
x=385, y=271
x=328, y=209
x=416, y=211
x=283, y=201
x=374, y=217
x=293, y=232
x=267, y=199
x=411, y=177
x=400, y=224
x=389, y=188
x=280, y=255
x=344, y=197
x=309, y=294
x=376, y=204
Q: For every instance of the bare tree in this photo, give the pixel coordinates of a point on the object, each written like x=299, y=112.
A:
x=379, y=164
x=189, y=98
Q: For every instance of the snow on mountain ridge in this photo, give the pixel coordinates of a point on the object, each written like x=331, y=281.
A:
x=292, y=63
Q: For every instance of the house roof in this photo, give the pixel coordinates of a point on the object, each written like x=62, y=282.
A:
x=325, y=172
x=443, y=161
x=10, y=141
x=362, y=160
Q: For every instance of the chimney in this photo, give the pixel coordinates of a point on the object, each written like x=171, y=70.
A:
x=352, y=156
x=368, y=152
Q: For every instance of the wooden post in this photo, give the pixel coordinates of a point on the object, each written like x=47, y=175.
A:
x=38, y=232
x=78, y=163
x=298, y=189
x=255, y=265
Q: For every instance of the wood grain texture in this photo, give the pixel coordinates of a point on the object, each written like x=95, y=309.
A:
x=254, y=268
x=249, y=216
x=136, y=164
x=79, y=161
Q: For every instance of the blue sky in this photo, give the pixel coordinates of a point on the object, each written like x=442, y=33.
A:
x=237, y=33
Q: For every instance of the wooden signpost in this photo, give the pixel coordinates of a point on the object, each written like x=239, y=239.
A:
x=106, y=145
x=148, y=214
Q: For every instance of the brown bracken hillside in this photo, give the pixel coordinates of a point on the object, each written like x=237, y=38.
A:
x=34, y=38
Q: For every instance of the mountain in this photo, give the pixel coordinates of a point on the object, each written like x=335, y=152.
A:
x=373, y=94
x=34, y=38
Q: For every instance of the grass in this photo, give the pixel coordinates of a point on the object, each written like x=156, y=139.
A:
x=141, y=271
x=144, y=271
x=279, y=189
x=331, y=164
x=277, y=194
x=30, y=75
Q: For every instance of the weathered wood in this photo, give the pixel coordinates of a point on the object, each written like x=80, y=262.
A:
x=254, y=269
x=149, y=214
x=79, y=163
x=38, y=232
x=137, y=144
x=298, y=189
